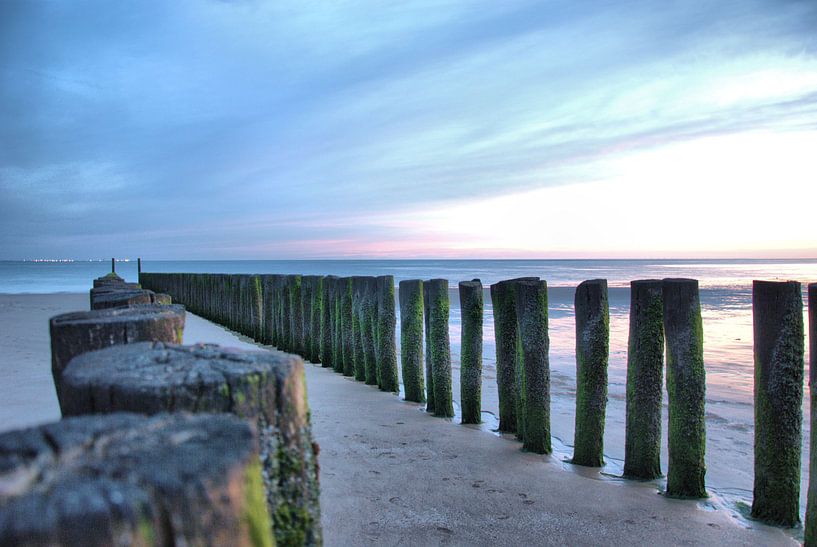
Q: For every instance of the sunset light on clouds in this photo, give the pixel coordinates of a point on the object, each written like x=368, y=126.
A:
x=430, y=129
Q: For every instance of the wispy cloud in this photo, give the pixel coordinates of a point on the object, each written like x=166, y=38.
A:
x=254, y=129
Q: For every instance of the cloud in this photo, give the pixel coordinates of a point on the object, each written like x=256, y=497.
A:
x=234, y=129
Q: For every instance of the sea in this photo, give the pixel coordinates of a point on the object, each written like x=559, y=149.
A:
x=726, y=302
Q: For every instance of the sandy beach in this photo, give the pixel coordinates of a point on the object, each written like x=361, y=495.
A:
x=391, y=474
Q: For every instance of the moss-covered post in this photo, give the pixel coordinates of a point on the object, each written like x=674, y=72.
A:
x=592, y=352
x=347, y=329
x=296, y=315
x=339, y=362
x=327, y=321
x=505, y=337
x=686, y=389
x=430, y=406
x=358, y=291
x=306, y=310
x=368, y=330
x=811, y=505
x=316, y=313
x=386, y=336
x=645, y=374
x=257, y=308
x=777, y=308
x=411, y=338
x=531, y=301
x=471, y=308
x=438, y=302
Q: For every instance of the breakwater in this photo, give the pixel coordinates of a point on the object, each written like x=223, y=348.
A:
x=162, y=443
x=662, y=311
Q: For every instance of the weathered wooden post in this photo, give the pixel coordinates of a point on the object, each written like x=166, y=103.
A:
x=368, y=330
x=327, y=321
x=411, y=338
x=777, y=308
x=124, y=478
x=386, y=337
x=430, y=406
x=306, y=309
x=505, y=336
x=592, y=352
x=113, y=265
x=358, y=288
x=645, y=373
x=315, y=311
x=471, y=308
x=347, y=329
x=531, y=301
x=811, y=505
x=339, y=362
x=296, y=315
x=686, y=389
x=139, y=270
x=78, y=332
x=440, y=346
x=264, y=387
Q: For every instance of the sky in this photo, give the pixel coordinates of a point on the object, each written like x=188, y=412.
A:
x=444, y=129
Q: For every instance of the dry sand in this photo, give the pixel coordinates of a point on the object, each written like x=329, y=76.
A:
x=391, y=474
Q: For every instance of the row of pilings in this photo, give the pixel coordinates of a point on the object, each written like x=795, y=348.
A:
x=348, y=324
x=224, y=456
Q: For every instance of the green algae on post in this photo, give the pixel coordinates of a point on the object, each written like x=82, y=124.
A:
x=389, y=379
x=686, y=389
x=339, y=363
x=811, y=504
x=411, y=338
x=471, y=308
x=592, y=352
x=777, y=309
x=327, y=325
x=358, y=289
x=316, y=313
x=531, y=301
x=440, y=347
x=296, y=315
x=347, y=331
x=430, y=406
x=645, y=374
x=306, y=308
x=368, y=329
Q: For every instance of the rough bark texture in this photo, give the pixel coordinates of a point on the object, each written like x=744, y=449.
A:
x=411, y=339
x=438, y=303
x=430, y=406
x=645, y=371
x=811, y=505
x=306, y=308
x=686, y=389
x=338, y=361
x=386, y=337
x=315, y=311
x=264, y=387
x=592, y=352
x=532, y=325
x=358, y=293
x=78, y=332
x=471, y=309
x=502, y=299
x=128, y=479
x=778, y=333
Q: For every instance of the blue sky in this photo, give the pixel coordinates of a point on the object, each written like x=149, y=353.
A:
x=240, y=129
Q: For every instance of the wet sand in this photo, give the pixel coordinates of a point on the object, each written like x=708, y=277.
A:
x=391, y=474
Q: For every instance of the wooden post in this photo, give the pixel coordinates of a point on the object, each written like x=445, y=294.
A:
x=411, y=339
x=471, y=311
x=645, y=373
x=265, y=388
x=811, y=504
x=387, y=343
x=686, y=389
x=778, y=332
x=129, y=479
x=440, y=346
x=430, y=406
x=530, y=299
x=113, y=265
x=592, y=352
